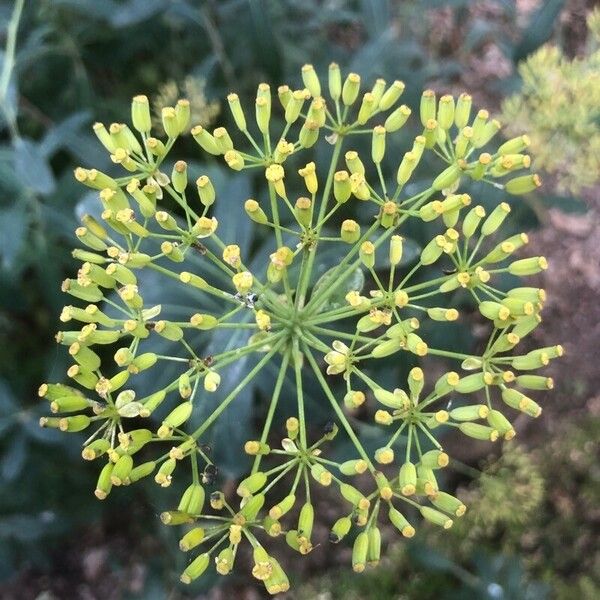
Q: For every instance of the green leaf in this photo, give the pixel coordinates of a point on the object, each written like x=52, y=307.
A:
x=13, y=227
x=356, y=281
x=539, y=30
x=31, y=166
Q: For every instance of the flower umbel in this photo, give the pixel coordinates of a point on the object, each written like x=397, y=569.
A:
x=290, y=318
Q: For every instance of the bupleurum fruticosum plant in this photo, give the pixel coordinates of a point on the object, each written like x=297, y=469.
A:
x=289, y=320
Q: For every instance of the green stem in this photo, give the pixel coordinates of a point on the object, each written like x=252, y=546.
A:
x=272, y=407
x=238, y=388
x=312, y=251
x=338, y=410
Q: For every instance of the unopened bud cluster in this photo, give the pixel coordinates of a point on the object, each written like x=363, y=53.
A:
x=154, y=217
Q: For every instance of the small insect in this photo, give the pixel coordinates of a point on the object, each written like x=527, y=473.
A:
x=210, y=474
x=201, y=248
x=449, y=271
x=329, y=427
x=248, y=300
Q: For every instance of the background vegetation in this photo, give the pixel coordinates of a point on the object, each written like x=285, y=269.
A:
x=68, y=63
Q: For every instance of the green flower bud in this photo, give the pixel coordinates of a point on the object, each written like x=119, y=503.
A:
x=523, y=185
x=104, y=137
x=277, y=582
x=407, y=166
x=434, y=459
x=164, y=475
x=350, y=231
x=528, y=266
x=445, y=114
x=223, y=139
x=251, y=484
x=352, y=495
x=367, y=254
x=427, y=106
x=185, y=387
x=252, y=507
x=95, y=449
x=490, y=129
x=294, y=106
x=378, y=90
x=514, y=145
x=121, y=470
x=234, y=160
x=194, y=537
x=399, y=521
x=263, y=112
x=396, y=249
x=140, y=114
x=366, y=108
x=83, y=376
x=382, y=349
x=426, y=481
x=495, y=219
x=359, y=552
x=436, y=517
x=378, y=144
x=156, y=147
x=179, y=176
x=306, y=520
x=205, y=140
x=342, y=188
x=397, y=399
x=350, y=89
x=90, y=240
x=282, y=507
x=501, y=424
x=237, y=112
x=449, y=504
x=384, y=456
x=74, y=424
x=353, y=467
x=354, y=163
x=447, y=177
x=407, y=479
x=519, y=401
x=303, y=211
x=177, y=417
x=321, y=474
x=535, y=382
x=335, y=81
x=374, y=549
x=472, y=383
x=182, y=115
x=463, y=111
x=169, y=330
x=311, y=80
x=469, y=413
x=391, y=95
x=479, y=125
x=340, y=529
x=479, y=432
x=169, y=122
x=255, y=212
x=397, y=119
x=433, y=250
x=85, y=357
x=309, y=134
x=104, y=484
x=195, y=568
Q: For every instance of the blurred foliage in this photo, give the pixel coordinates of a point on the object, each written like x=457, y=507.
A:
x=559, y=107
x=68, y=63
x=528, y=534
